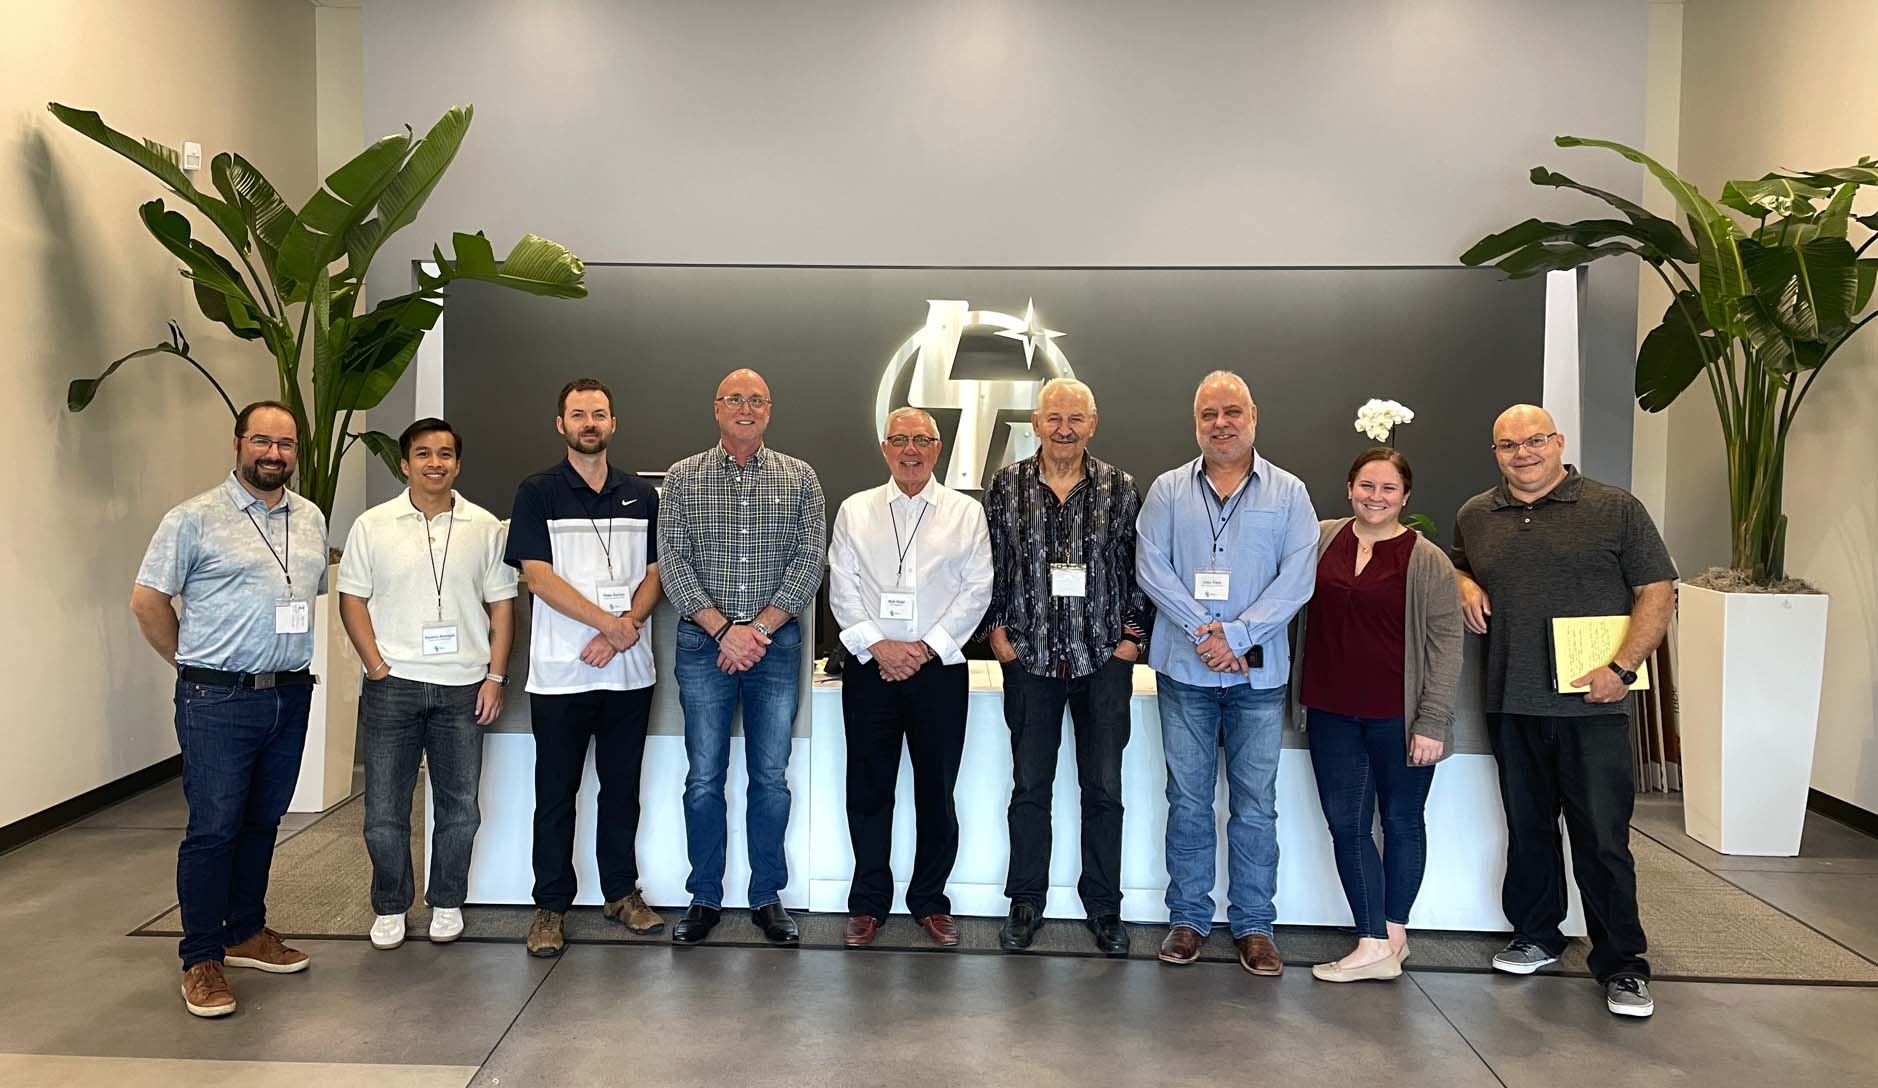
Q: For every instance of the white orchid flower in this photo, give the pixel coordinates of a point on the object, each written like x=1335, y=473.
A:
x=1379, y=418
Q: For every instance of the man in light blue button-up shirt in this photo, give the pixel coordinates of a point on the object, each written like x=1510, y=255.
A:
x=1226, y=547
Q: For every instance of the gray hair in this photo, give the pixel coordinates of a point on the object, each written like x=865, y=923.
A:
x=1071, y=385
x=1222, y=376
x=909, y=410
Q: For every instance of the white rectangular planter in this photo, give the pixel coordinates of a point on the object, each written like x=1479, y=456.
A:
x=332, y=721
x=1749, y=670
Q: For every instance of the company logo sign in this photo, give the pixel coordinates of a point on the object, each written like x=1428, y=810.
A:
x=970, y=362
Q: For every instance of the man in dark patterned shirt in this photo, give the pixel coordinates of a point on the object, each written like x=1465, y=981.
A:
x=741, y=538
x=1067, y=622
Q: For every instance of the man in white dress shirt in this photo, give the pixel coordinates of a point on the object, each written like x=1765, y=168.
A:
x=909, y=578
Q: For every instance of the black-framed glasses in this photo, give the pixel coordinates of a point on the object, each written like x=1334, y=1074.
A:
x=261, y=443
x=736, y=401
x=920, y=441
x=1535, y=443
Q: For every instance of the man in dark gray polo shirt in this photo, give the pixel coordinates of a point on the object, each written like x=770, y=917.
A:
x=1547, y=542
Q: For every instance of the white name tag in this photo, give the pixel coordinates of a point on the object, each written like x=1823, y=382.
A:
x=439, y=638
x=896, y=604
x=1212, y=585
x=292, y=616
x=616, y=598
x=1069, y=580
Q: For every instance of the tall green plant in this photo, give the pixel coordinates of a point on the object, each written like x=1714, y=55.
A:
x=1758, y=307
x=292, y=293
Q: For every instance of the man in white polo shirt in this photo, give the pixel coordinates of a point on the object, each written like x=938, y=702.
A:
x=585, y=536
x=430, y=606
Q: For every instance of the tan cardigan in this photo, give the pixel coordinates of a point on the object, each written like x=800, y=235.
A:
x=1431, y=632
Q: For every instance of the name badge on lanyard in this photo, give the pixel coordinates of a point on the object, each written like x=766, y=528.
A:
x=439, y=639
x=1212, y=585
x=897, y=604
x=292, y=616
x=614, y=597
x=1069, y=580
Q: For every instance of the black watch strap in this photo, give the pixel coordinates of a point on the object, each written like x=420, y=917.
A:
x=1623, y=674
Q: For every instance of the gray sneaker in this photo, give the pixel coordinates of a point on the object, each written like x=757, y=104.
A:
x=1628, y=996
x=1522, y=957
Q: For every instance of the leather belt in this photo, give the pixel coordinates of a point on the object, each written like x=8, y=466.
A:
x=259, y=681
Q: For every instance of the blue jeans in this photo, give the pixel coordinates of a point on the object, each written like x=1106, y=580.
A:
x=1194, y=721
x=400, y=721
x=1358, y=762
x=241, y=758
x=709, y=696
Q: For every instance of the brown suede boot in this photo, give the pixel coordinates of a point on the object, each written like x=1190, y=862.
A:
x=545, y=938
x=205, y=990
x=633, y=913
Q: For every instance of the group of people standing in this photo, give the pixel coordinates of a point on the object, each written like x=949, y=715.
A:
x=1067, y=574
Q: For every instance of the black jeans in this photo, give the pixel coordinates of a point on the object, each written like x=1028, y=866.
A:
x=928, y=711
x=241, y=757
x=1098, y=710
x=1580, y=767
x=1361, y=763
x=615, y=721
x=400, y=721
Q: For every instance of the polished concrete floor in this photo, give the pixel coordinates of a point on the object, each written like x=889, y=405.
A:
x=81, y=1003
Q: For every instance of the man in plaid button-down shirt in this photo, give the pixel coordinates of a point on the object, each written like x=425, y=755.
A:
x=741, y=541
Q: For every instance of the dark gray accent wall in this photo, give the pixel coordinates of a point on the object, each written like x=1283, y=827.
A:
x=1456, y=345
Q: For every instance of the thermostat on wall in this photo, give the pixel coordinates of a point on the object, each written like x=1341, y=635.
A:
x=192, y=155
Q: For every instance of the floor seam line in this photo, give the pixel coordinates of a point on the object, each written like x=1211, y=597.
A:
x=513, y=1020
x=1436, y=1005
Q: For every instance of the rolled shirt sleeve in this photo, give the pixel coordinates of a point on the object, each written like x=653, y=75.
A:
x=858, y=629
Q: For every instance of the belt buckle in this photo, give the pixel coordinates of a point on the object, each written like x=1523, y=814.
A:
x=263, y=681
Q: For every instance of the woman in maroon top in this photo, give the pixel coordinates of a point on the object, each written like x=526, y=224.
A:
x=1379, y=661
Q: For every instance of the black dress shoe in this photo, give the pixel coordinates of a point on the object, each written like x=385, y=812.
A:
x=1020, y=928
x=696, y=925
x=777, y=926
x=1111, y=936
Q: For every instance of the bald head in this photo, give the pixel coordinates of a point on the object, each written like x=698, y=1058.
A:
x=742, y=409
x=1530, y=451
x=742, y=381
x=1525, y=419
x=1222, y=380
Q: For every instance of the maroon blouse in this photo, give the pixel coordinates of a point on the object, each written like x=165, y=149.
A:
x=1353, y=644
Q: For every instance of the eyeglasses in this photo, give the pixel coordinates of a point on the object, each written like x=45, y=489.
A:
x=737, y=400
x=1535, y=443
x=921, y=441
x=260, y=443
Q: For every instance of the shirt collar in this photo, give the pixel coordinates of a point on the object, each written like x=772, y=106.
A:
x=1566, y=491
x=577, y=482
x=242, y=498
x=730, y=463
x=411, y=511
x=1198, y=470
x=928, y=494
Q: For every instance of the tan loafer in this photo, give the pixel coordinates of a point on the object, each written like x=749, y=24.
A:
x=635, y=914
x=1388, y=967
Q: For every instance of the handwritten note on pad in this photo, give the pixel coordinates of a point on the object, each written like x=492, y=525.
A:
x=1583, y=643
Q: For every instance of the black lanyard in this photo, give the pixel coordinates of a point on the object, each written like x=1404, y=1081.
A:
x=286, y=546
x=436, y=571
x=900, y=576
x=1226, y=511
x=606, y=540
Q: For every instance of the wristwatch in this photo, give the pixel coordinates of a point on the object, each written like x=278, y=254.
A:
x=1623, y=674
x=501, y=680
x=762, y=628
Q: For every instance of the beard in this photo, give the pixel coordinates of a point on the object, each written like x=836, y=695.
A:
x=266, y=473
x=586, y=441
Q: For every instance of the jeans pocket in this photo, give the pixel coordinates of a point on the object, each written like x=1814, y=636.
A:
x=691, y=638
x=190, y=693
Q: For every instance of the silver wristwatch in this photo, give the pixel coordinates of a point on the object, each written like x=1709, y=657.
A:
x=762, y=628
x=501, y=680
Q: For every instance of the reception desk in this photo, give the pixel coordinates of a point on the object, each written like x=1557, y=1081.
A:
x=1466, y=835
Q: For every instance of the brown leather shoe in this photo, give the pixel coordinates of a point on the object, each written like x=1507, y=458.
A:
x=943, y=930
x=265, y=952
x=861, y=930
x=1182, y=945
x=1259, y=955
x=545, y=937
x=206, y=992
x=633, y=913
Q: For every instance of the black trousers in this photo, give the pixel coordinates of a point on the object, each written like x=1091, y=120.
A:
x=1098, y=711
x=1581, y=768
x=615, y=721
x=927, y=712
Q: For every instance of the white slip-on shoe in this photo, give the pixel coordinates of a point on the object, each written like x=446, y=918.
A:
x=446, y=924
x=388, y=932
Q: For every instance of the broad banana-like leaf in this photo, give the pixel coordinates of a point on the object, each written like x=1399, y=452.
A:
x=1870, y=222
x=1557, y=256
x=229, y=312
x=1808, y=290
x=386, y=447
x=318, y=234
x=79, y=394
x=1674, y=353
x=159, y=160
x=1785, y=232
x=1865, y=173
x=267, y=216
x=535, y=265
x=1867, y=277
x=1771, y=195
x=1722, y=280
x=1586, y=232
x=376, y=347
x=399, y=204
x=1770, y=343
x=201, y=264
x=1660, y=232
x=1836, y=219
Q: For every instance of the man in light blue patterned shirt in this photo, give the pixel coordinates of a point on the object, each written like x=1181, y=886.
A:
x=248, y=559
x=1226, y=547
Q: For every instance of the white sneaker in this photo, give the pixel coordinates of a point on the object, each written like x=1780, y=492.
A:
x=388, y=931
x=446, y=924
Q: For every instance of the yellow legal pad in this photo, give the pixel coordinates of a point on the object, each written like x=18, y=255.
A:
x=1583, y=643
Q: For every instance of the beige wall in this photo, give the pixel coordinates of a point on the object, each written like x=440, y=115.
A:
x=89, y=702
x=1790, y=85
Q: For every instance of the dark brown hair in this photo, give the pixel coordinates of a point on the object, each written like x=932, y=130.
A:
x=583, y=385
x=242, y=417
x=1384, y=453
